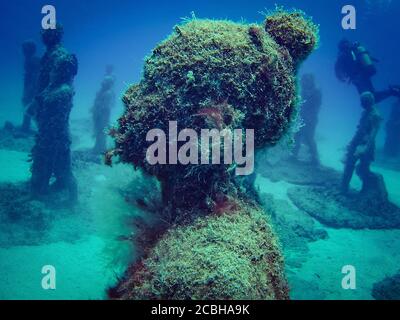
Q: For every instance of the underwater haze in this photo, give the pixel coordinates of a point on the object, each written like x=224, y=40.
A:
x=77, y=194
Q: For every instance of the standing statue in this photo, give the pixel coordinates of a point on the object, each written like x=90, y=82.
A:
x=213, y=75
x=51, y=154
x=392, y=143
x=312, y=98
x=31, y=67
x=362, y=151
x=105, y=100
x=356, y=66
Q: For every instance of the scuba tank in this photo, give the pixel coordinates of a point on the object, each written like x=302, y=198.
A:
x=365, y=60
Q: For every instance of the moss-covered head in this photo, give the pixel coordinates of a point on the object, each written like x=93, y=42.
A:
x=52, y=37
x=293, y=31
x=212, y=74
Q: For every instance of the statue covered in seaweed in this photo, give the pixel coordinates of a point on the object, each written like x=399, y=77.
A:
x=51, y=109
x=101, y=110
x=310, y=108
x=217, y=242
x=31, y=75
x=361, y=151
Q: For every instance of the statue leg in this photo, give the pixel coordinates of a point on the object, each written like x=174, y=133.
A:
x=63, y=169
x=312, y=147
x=100, y=146
x=373, y=187
x=351, y=161
x=42, y=157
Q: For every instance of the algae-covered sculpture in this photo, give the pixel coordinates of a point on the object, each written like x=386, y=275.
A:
x=310, y=108
x=217, y=242
x=10, y=132
x=51, y=108
x=101, y=110
x=361, y=152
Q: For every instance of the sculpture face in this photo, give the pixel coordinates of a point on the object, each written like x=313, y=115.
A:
x=109, y=70
x=52, y=37
x=367, y=100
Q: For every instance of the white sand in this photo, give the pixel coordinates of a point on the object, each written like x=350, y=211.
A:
x=84, y=268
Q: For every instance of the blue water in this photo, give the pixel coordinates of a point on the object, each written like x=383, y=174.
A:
x=123, y=33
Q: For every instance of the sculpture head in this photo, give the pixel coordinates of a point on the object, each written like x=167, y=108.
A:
x=216, y=75
x=52, y=37
x=109, y=69
x=367, y=100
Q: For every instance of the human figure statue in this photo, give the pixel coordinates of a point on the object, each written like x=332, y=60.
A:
x=361, y=151
x=51, y=154
x=312, y=98
x=392, y=142
x=31, y=74
x=101, y=110
x=355, y=65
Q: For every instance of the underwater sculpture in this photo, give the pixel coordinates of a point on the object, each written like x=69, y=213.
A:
x=370, y=208
x=31, y=75
x=101, y=110
x=334, y=203
x=392, y=142
x=309, y=114
x=355, y=65
x=361, y=150
x=51, y=155
x=216, y=241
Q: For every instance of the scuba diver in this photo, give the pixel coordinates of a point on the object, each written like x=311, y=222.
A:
x=356, y=66
x=309, y=114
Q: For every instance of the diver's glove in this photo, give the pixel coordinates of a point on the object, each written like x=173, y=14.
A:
x=395, y=91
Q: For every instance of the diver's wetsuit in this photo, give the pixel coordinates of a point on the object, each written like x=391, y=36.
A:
x=363, y=82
